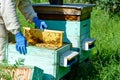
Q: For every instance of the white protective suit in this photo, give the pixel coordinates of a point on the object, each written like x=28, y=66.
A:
x=9, y=20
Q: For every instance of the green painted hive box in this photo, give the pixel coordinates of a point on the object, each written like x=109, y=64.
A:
x=43, y=58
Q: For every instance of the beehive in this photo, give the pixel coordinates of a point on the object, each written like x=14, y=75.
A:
x=47, y=38
x=73, y=19
x=21, y=73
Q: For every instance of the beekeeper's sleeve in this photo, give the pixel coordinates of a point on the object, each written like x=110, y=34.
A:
x=8, y=13
x=26, y=9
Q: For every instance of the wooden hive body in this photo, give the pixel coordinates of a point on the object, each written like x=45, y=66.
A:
x=44, y=58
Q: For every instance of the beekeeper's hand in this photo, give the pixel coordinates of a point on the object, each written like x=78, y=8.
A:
x=21, y=43
x=39, y=23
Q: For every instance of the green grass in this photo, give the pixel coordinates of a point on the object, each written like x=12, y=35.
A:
x=105, y=57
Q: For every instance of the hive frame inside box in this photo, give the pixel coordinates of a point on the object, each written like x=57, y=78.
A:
x=47, y=38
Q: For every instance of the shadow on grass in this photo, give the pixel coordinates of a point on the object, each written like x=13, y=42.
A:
x=82, y=71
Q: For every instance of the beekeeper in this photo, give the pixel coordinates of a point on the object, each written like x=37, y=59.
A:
x=9, y=23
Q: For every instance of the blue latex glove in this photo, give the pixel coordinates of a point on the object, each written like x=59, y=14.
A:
x=39, y=23
x=21, y=43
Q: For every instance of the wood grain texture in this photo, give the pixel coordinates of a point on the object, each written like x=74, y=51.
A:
x=21, y=73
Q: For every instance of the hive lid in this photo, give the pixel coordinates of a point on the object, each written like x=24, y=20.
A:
x=66, y=9
x=78, y=6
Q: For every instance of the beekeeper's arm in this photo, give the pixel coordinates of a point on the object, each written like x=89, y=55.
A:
x=8, y=12
x=26, y=8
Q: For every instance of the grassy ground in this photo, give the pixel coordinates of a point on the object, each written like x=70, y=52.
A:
x=105, y=57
